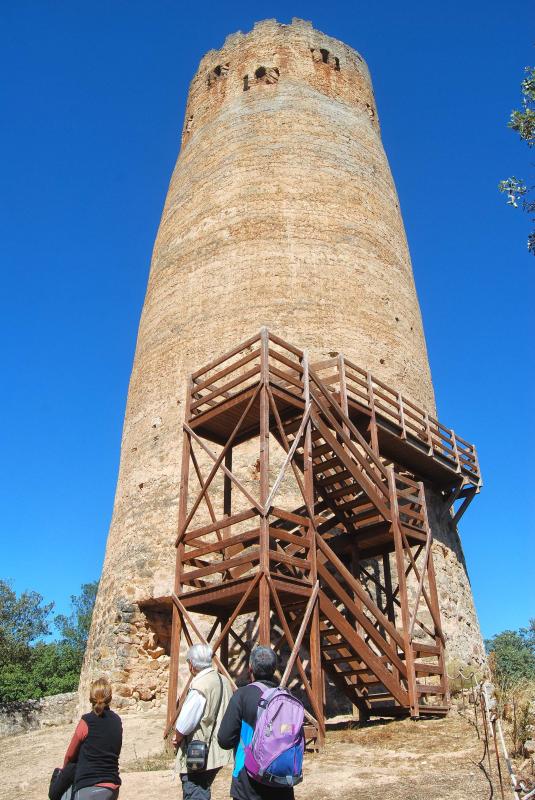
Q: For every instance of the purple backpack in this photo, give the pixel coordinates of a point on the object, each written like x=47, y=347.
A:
x=275, y=755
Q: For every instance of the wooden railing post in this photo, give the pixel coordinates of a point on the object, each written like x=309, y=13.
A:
x=389, y=603
x=455, y=449
x=428, y=431
x=227, y=497
x=476, y=462
x=374, y=440
x=402, y=416
x=343, y=387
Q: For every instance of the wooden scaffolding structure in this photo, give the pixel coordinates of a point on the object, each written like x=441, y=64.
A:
x=343, y=580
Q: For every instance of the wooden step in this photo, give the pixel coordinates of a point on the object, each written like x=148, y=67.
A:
x=428, y=669
x=320, y=450
x=329, y=463
x=355, y=502
x=379, y=698
x=345, y=491
x=427, y=688
x=432, y=710
x=350, y=658
x=425, y=649
x=338, y=477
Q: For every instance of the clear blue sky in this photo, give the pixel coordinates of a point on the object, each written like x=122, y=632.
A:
x=93, y=95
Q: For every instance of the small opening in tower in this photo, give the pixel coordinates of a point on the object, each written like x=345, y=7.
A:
x=324, y=55
x=337, y=64
x=220, y=71
x=266, y=75
x=245, y=82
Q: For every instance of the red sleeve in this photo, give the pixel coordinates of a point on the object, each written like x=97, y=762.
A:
x=78, y=737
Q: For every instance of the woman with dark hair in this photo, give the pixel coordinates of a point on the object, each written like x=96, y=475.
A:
x=95, y=747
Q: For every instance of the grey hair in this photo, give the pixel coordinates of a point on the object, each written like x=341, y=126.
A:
x=263, y=662
x=200, y=656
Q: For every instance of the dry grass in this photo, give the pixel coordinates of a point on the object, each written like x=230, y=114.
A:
x=152, y=763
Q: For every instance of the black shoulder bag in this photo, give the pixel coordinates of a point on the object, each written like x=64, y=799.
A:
x=197, y=751
x=61, y=781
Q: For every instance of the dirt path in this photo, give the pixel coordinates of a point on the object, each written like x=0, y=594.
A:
x=404, y=760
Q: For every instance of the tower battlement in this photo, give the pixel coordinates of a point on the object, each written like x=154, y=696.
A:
x=252, y=64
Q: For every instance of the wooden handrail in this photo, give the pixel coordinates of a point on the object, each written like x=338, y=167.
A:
x=411, y=419
x=217, y=361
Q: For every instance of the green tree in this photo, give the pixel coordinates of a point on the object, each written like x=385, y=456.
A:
x=74, y=629
x=23, y=620
x=30, y=667
x=523, y=122
x=512, y=658
x=528, y=635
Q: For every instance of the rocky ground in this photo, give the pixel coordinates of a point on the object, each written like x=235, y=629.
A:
x=401, y=760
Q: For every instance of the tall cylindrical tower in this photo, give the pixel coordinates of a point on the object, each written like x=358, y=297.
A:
x=282, y=212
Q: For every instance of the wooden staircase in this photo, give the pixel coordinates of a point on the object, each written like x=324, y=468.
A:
x=364, y=507
x=348, y=576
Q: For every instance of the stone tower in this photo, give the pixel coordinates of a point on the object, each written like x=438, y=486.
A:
x=281, y=211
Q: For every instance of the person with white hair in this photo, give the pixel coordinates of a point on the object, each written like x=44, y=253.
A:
x=199, y=756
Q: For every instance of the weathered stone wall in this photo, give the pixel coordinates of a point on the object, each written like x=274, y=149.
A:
x=282, y=212
x=29, y=715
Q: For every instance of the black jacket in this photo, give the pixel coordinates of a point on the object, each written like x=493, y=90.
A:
x=98, y=760
x=236, y=730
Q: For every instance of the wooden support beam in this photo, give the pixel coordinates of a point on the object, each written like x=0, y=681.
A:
x=299, y=638
x=185, y=615
x=439, y=638
x=231, y=475
x=427, y=553
x=236, y=611
x=218, y=463
x=287, y=460
x=317, y=678
x=289, y=638
x=176, y=624
x=264, y=633
x=408, y=550
x=464, y=505
x=227, y=495
x=286, y=446
x=400, y=565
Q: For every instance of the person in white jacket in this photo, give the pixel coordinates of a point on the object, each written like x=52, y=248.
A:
x=199, y=720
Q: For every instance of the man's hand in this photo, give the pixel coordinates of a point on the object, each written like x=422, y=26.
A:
x=177, y=739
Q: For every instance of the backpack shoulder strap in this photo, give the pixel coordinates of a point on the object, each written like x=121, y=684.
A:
x=265, y=697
